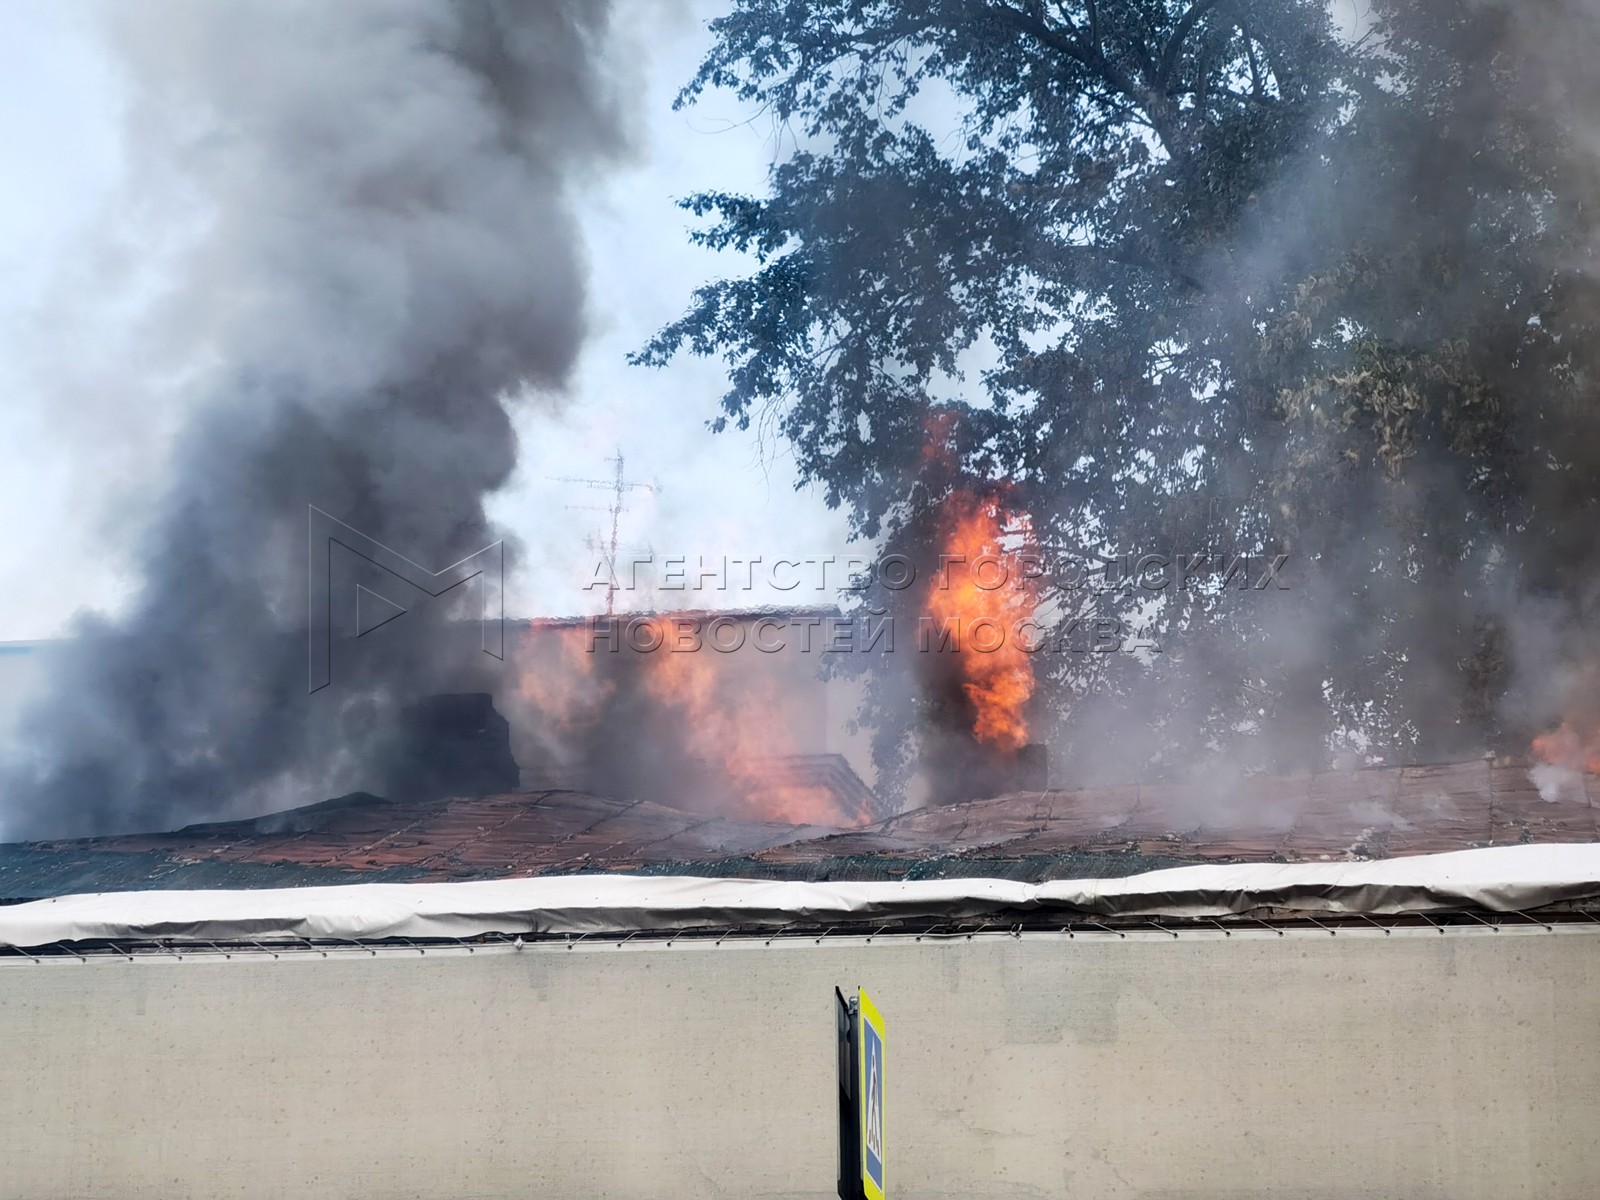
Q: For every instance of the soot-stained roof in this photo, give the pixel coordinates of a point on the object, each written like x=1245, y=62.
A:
x=1033, y=836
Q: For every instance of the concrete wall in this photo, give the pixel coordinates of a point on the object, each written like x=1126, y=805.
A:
x=1412, y=1067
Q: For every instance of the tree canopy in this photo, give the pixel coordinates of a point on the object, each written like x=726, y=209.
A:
x=1179, y=277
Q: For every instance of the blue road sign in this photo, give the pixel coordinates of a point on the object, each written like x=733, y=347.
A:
x=871, y=1093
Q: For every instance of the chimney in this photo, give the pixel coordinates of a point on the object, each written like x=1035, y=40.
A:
x=454, y=744
x=1031, y=768
x=961, y=768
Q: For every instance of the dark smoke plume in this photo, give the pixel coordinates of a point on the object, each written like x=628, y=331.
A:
x=388, y=255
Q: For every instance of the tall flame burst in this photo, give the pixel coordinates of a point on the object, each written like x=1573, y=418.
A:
x=981, y=593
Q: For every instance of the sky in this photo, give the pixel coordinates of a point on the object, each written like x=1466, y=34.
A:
x=87, y=414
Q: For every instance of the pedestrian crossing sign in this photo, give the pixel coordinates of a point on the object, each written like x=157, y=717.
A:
x=871, y=1094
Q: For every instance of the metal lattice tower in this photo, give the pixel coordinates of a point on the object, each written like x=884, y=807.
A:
x=619, y=485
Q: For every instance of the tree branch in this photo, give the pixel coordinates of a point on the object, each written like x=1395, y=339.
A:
x=1255, y=69
x=1185, y=26
x=1152, y=102
x=1099, y=255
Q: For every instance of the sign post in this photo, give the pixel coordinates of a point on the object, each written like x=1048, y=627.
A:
x=861, y=1041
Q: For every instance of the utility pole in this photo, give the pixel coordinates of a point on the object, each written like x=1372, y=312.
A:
x=619, y=486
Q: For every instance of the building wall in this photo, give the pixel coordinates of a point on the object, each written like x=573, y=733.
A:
x=1412, y=1067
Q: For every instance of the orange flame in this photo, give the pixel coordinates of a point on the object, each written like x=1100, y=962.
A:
x=561, y=683
x=730, y=711
x=1566, y=747
x=735, y=721
x=981, y=593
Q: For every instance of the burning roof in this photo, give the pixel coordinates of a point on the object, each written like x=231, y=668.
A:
x=1099, y=832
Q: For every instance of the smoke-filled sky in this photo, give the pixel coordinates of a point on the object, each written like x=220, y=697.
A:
x=84, y=428
x=389, y=258
x=90, y=409
x=385, y=260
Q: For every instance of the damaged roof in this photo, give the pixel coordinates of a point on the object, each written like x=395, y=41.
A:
x=1033, y=836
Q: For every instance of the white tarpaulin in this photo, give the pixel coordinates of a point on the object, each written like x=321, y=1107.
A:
x=1500, y=879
